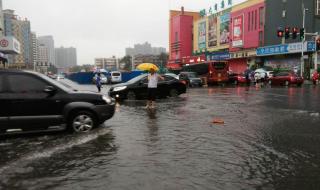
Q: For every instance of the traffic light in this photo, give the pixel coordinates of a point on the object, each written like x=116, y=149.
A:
x=318, y=44
x=294, y=32
x=287, y=32
x=280, y=33
x=301, y=33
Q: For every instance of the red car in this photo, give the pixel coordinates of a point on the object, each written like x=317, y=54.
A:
x=286, y=78
x=238, y=79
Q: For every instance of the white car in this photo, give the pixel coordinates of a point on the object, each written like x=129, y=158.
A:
x=173, y=75
x=116, y=77
x=260, y=74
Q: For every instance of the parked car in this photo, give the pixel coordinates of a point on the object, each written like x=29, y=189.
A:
x=60, y=76
x=115, y=77
x=173, y=75
x=286, y=78
x=191, y=79
x=137, y=88
x=236, y=79
x=32, y=102
x=104, y=79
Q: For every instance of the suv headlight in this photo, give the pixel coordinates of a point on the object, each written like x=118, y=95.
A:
x=119, y=88
x=107, y=99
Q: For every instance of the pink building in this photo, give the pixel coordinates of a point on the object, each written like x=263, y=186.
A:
x=247, y=33
x=180, y=37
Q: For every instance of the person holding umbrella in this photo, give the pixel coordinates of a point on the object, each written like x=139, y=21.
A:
x=153, y=78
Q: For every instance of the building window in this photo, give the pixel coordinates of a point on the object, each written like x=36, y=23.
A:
x=252, y=20
x=261, y=17
x=255, y=19
x=318, y=7
x=176, y=37
x=249, y=19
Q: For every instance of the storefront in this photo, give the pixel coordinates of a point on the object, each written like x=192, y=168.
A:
x=288, y=57
x=240, y=60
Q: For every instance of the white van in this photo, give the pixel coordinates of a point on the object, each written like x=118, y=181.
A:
x=116, y=77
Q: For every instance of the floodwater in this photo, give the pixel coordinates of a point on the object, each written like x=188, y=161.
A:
x=270, y=139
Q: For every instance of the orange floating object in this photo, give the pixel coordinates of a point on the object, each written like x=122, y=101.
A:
x=218, y=121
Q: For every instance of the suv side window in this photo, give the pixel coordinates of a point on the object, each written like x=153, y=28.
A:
x=22, y=83
x=168, y=78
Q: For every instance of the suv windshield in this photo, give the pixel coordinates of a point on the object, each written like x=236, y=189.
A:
x=56, y=83
x=192, y=75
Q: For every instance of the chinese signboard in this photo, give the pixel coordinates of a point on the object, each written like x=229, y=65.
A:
x=212, y=32
x=214, y=9
x=202, y=35
x=224, y=28
x=237, y=33
x=218, y=56
x=286, y=48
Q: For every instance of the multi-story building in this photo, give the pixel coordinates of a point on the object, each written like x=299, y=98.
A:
x=109, y=64
x=43, y=59
x=144, y=49
x=65, y=58
x=20, y=29
x=180, y=36
x=286, y=53
x=35, y=50
x=49, y=43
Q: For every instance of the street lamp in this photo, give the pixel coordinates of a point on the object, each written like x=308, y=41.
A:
x=304, y=10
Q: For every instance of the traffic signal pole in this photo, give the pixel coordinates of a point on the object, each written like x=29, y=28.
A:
x=303, y=38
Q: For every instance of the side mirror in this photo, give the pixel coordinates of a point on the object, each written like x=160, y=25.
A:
x=50, y=90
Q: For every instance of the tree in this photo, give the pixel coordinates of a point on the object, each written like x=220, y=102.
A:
x=163, y=57
x=127, y=61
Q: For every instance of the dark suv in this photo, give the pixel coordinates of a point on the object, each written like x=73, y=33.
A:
x=34, y=102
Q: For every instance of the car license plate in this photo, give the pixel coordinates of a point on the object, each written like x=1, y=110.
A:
x=219, y=74
x=219, y=80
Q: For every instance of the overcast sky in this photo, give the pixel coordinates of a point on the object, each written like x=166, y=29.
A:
x=102, y=28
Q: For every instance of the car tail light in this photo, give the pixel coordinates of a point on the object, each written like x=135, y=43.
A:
x=291, y=78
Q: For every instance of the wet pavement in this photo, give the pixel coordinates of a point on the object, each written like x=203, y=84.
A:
x=270, y=139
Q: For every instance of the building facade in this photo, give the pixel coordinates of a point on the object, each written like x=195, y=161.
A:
x=180, y=36
x=19, y=29
x=109, y=64
x=35, y=50
x=43, y=59
x=49, y=43
x=282, y=14
x=65, y=58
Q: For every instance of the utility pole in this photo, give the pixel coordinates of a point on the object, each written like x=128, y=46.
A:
x=303, y=38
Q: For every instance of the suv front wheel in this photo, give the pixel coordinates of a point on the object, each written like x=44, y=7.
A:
x=82, y=122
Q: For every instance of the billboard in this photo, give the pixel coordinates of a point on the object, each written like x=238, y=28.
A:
x=212, y=32
x=237, y=33
x=224, y=28
x=202, y=35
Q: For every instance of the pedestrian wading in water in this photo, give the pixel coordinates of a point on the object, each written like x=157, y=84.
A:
x=153, y=78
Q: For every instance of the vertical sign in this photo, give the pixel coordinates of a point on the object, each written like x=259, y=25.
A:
x=237, y=33
x=212, y=32
x=224, y=28
x=202, y=35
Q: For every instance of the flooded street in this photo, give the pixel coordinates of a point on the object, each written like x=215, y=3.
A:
x=270, y=139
